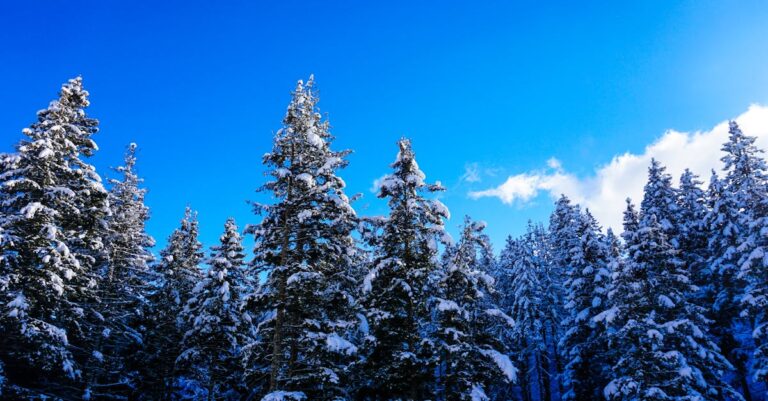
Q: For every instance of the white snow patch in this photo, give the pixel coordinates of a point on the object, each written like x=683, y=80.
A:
x=336, y=343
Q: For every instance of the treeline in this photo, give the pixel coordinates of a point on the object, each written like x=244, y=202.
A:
x=336, y=306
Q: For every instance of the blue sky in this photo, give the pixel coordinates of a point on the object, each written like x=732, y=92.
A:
x=494, y=88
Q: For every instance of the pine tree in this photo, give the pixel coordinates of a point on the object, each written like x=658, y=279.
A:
x=179, y=272
x=562, y=237
x=659, y=335
x=583, y=341
x=736, y=209
x=124, y=283
x=503, y=298
x=469, y=357
x=210, y=358
x=529, y=310
x=53, y=210
x=395, y=298
x=746, y=187
x=693, y=236
x=661, y=200
x=305, y=248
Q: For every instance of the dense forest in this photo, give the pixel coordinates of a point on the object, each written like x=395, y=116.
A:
x=331, y=305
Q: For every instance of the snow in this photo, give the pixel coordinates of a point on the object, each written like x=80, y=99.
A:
x=302, y=276
x=503, y=362
x=666, y=302
x=440, y=209
x=31, y=209
x=17, y=305
x=478, y=394
x=304, y=215
x=315, y=140
x=335, y=343
x=608, y=316
x=447, y=305
x=46, y=152
x=611, y=389
x=306, y=179
x=282, y=172
x=284, y=396
x=498, y=313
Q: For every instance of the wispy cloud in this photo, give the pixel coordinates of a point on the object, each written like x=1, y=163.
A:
x=624, y=176
x=377, y=184
x=471, y=173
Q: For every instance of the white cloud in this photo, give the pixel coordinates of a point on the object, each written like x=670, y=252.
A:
x=471, y=173
x=376, y=185
x=624, y=176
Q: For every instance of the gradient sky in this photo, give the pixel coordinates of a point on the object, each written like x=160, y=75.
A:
x=499, y=87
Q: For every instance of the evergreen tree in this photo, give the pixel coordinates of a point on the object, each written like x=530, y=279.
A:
x=746, y=185
x=561, y=239
x=179, y=272
x=693, y=235
x=124, y=283
x=305, y=248
x=583, y=341
x=54, y=207
x=503, y=298
x=529, y=310
x=737, y=204
x=469, y=357
x=660, y=199
x=395, y=298
x=664, y=351
x=210, y=358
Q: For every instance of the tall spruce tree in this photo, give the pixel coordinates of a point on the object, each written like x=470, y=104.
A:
x=305, y=248
x=54, y=207
x=209, y=363
x=583, y=342
x=664, y=351
x=746, y=185
x=660, y=199
x=562, y=237
x=504, y=299
x=737, y=203
x=124, y=285
x=529, y=310
x=178, y=273
x=395, y=298
x=693, y=235
x=469, y=357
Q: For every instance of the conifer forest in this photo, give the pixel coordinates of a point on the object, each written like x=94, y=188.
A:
x=329, y=304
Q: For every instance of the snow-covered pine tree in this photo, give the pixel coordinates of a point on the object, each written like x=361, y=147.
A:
x=124, y=284
x=503, y=298
x=54, y=207
x=661, y=200
x=562, y=232
x=562, y=237
x=469, y=358
x=583, y=343
x=664, y=351
x=209, y=363
x=746, y=184
x=736, y=207
x=693, y=236
x=529, y=311
x=395, y=288
x=178, y=273
x=305, y=248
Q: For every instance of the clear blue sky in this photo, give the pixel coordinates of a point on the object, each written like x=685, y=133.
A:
x=201, y=87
